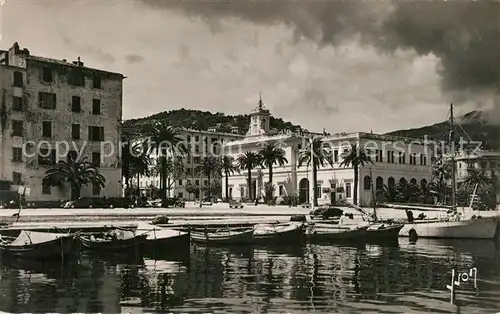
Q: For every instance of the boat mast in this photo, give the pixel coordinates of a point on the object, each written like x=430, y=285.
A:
x=452, y=153
x=374, y=201
x=312, y=191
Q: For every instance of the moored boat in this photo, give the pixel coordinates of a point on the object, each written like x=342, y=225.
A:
x=158, y=237
x=329, y=232
x=287, y=233
x=225, y=236
x=116, y=240
x=471, y=228
x=383, y=231
x=38, y=245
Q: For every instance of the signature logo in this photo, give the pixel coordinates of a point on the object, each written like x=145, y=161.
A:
x=463, y=277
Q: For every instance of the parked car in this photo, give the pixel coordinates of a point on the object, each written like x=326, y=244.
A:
x=154, y=203
x=119, y=202
x=172, y=202
x=327, y=212
x=87, y=202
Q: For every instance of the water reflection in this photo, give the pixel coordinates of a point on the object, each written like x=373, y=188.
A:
x=399, y=277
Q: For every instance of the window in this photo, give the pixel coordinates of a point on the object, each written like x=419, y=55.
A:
x=348, y=190
x=96, y=159
x=367, y=183
x=47, y=157
x=17, y=178
x=96, y=133
x=17, y=128
x=17, y=104
x=76, y=77
x=197, y=148
x=18, y=79
x=281, y=190
x=423, y=160
x=17, y=154
x=96, y=106
x=336, y=155
x=196, y=138
x=96, y=82
x=390, y=156
x=46, y=188
x=96, y=189
x=47, y=100
x=76, y=104
x=180, y=195
x=75, y=131
x=46, y=129
x=189, y=171
x=197, y=182
x=47, y=75
x=180, y=182
x=188, y=138
x=402, y=158
x=71, y=157
x=205, y=182
x=377, y=156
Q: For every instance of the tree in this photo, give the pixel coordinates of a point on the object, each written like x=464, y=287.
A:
x=190, y=189
x=227, y=167
x=172, y=168
x=355, y=157
x=249, y=161
x=271, y=155
x=139, y=162
x=209, y=166
x=388, y=193
x=321, y=154
x=76, y=174
x=165, y=140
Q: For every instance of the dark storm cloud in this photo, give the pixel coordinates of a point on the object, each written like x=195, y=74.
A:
x=464, y=35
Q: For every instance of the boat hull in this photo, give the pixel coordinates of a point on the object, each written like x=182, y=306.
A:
x=484, y=228
x=285, y=234
x=390, y=232
x=50, y=250
x=338, y=233
x=223, y=238
x=114, y=245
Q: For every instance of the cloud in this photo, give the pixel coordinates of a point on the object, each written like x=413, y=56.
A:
x=88, y=50
x=133, y=58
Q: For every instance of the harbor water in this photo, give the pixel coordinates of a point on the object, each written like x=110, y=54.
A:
x=395, y=278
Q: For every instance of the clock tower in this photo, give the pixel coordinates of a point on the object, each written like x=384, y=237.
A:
x=259, y=120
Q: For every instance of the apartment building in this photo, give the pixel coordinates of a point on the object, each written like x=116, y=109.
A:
x=199, y=145
x=52, y=109
x=395, y=160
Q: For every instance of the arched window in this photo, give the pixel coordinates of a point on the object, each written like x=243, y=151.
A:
x=402, y=181
x=423, y=183
x=413, y=181
x=379, y=184
x=367, y=183
x=391, y=182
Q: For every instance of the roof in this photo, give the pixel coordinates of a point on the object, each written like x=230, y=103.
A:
x=70, y=64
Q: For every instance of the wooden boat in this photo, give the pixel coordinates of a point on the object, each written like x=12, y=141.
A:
x=226, y=236
x=287, y=233
x=383, y=231
x=330, y=232
x=158, y=237
x=478, y=228
x=116, y=240
x=37, y=245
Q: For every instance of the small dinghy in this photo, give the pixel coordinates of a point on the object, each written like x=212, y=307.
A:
x=319, y=232
x=164, y=237
x=37, y=245
x=225, y=236
x=115, y=240
x=287, y=233
x=383, y=231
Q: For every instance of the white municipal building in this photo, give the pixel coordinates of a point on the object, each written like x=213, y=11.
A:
x=397, y=160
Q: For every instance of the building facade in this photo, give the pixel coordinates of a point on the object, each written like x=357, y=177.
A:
x=395, y=160
x=52, y=109
x=199, y=144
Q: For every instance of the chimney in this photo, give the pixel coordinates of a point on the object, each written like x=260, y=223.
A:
x=79, y=62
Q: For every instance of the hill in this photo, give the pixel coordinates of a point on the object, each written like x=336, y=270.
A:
x=473, y=124
x=204, y=120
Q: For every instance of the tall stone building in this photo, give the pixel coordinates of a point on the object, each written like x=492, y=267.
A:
x=52, y=109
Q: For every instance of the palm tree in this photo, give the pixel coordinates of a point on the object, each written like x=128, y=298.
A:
x=249, y=161
x=356, y=157
x=209, y=166
x=127, y=138
x=388, y=192
x=139, y=162
x=75, y=173
x=321, y=154
x=228, y=167
x=164, y=139
x=477, y=177
x=271, y=155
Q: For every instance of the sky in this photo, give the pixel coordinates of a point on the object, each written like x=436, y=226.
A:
x=343, y=66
